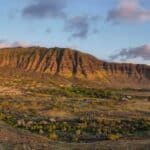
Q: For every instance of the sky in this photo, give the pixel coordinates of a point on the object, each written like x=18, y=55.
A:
x=112, y=30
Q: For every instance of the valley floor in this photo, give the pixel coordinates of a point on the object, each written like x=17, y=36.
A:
x=41, y=114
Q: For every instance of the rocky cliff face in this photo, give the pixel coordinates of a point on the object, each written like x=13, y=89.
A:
x=72, y=63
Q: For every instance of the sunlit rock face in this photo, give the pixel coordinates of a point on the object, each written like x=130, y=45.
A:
x=72, y=63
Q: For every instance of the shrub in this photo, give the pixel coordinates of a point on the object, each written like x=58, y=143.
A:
x=113, y=137
x=53, y=136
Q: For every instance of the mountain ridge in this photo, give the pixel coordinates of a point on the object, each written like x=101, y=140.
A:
x=73, y=63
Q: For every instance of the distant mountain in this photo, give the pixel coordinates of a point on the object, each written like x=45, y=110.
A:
x=75, y=64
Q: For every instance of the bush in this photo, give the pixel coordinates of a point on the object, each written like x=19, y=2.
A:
x=53, y=136
x=113, y=137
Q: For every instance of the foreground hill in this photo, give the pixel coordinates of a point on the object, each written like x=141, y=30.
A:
x=74, y=64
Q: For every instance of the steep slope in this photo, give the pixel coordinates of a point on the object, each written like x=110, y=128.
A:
x=71, y=63
x=65, y=62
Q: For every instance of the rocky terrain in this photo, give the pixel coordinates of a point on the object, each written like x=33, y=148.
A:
x=74, y=64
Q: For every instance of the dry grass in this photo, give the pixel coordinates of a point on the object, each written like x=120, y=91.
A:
x=9, y=91
x=54, y=113
x=16, y=98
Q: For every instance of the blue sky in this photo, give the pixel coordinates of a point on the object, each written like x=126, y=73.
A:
x=113, y=30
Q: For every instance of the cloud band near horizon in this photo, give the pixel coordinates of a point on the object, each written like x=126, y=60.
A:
x=132, y=53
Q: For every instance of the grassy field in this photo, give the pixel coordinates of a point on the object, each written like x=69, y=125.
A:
x=74, y=114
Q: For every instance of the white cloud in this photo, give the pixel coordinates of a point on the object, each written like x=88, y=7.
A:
x=129, y=11
x=6, y=44
x=132, y=53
